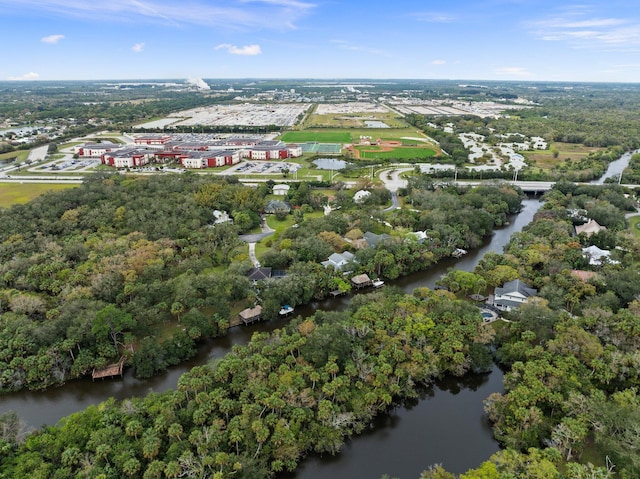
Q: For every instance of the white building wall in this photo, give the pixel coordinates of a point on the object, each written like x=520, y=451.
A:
x=194, y=163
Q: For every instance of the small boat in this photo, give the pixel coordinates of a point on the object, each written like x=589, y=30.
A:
x=377, y=283
x=286, y=310
x=459, y=253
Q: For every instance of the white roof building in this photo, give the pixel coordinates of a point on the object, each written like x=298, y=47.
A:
x=339, y=260
x=597, y=256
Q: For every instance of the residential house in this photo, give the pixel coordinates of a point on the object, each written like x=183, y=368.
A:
x=281, y=190
x=597, y=256
x=373, y=239
x=339, y=260
x=277, y=206
x=512, y=295
x=259, y=274
x=589, y=228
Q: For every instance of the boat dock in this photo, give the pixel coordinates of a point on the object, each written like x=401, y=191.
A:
x=251, y=315
x=109, y=371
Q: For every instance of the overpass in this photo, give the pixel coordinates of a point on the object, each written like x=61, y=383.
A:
x=534, y=187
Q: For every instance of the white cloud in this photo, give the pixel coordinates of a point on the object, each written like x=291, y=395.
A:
x=138, y=47
x=247, y=50
x=513, y=71
x=26, y=76
x=438, y=62
x=580, y=30
x=52, y=38
x=434, y=17
x=230, y=14
x=344, y=45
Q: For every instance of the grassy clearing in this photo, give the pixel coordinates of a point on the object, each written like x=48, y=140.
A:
x=354, y=120
x=397, y=153
x=319, y=136
x=544, y=158
x=279, y=226
x=20, y=155
x=14, y=193
x=350, y=135
x=634, y=225
x=70, y=144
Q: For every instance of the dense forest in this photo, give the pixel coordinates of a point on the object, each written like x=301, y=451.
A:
x=259, y=409
x=124, y=261
x=134, y=268
x=571, y=354
x=570, y=388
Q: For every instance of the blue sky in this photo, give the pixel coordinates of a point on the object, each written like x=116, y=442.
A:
x=537, y=40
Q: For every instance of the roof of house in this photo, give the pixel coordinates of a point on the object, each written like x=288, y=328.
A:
x=338, y=260
x=583, y=275
x=589, y=228
x=360, y=279
x=101, y=146
x=361, y=195
x=250, y=312
x=373, y=239
x=516, y=286
x=596, y=255
x=276, y=205
x=256, y=274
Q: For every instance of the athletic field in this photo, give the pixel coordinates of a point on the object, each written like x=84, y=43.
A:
x=317, y=136
x=322, y=148
x=400, y=153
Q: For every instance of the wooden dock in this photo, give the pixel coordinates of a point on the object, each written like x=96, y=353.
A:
x=361, y=281
x=109, y=371
x=251, y=315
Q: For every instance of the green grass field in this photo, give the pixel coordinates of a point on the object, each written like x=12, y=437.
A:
x=319, y=136
x=14, y=193
x=634, y=225
x=397, y=153
x=21, y=155
x=544, y=158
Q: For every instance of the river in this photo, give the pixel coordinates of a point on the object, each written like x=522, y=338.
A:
x=447, y=427
x=616, y=168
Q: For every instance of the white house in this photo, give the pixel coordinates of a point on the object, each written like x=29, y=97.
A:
x=221, y=217
x=339, y=261
x=597, y=256
x=512, y=295
x=361, y=196
x=281, y=190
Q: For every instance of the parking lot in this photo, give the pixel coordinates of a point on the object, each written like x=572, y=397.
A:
x=260, y=167
x=67, y=165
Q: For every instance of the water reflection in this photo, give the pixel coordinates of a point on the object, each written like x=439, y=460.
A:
x=330, y=164
x=446, y=425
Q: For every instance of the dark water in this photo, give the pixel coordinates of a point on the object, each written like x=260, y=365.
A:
x=615, y=168
x=447, y=427
x=495, y=243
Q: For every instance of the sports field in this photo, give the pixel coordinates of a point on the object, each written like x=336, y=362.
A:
x=317, y=136
x=400, y=153
x=13, y=193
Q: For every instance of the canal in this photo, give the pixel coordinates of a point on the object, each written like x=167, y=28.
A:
x=446, y=426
